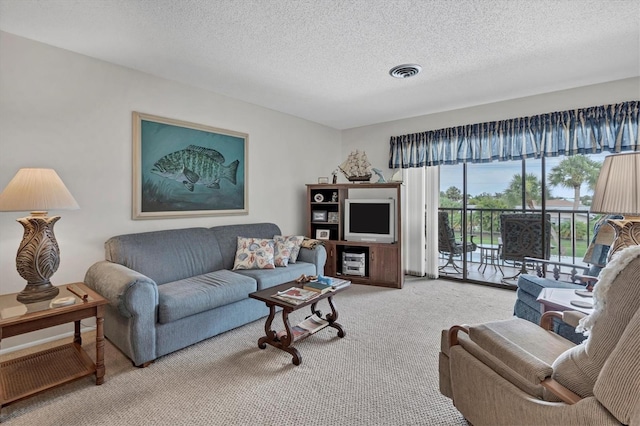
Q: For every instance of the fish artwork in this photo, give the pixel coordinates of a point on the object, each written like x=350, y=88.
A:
x=196, y=165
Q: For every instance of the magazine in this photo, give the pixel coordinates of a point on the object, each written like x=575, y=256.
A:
x=337, y=283
x=296, y=295
x=313, y=323
x=297, y=331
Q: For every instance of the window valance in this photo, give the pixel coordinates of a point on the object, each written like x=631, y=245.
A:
x=596, y=129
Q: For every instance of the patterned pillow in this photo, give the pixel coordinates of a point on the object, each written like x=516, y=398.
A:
x=283, y=252
x=297, y=240
x=254, y=253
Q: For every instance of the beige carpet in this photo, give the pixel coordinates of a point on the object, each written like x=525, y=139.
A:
x=384, y=372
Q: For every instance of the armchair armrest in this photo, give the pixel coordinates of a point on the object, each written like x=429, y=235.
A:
x=565, y=395
x=509, y=360
x=572, y=318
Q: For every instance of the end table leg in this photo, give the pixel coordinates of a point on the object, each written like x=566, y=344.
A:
x=99, y=349
x=77, y=337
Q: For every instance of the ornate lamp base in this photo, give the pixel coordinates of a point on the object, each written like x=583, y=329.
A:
x=37, y=293
x=38, y=257
x=627, y=234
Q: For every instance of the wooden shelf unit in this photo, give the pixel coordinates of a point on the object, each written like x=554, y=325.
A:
x=383, y=260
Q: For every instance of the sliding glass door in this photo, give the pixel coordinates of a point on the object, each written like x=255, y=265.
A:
x=476, y=197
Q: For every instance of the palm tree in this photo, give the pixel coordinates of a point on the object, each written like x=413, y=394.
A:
x=574, y=171
x=533, y=190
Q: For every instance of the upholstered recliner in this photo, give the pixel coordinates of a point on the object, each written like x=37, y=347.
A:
x=514, y=372
x=448, y=245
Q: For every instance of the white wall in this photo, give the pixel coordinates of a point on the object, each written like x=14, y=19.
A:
x=374, y=139
x=72, y=113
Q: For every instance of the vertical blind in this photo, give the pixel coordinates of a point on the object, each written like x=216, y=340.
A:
x=596, y=129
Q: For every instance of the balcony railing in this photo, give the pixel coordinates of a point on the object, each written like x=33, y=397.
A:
x=571, y=231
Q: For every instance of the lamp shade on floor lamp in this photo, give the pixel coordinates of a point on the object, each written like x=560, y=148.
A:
x=37, y=191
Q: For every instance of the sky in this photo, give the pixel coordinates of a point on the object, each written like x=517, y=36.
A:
x=496, y=176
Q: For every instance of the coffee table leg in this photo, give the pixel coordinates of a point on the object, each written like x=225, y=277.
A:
x=269, y=334
x=333, y=316
x=288, y=340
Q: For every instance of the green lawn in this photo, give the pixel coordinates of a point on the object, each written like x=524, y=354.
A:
x=581, y=245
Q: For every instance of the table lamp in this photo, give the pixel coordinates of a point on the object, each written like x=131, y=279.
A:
x=618, y=192
x=38, y=258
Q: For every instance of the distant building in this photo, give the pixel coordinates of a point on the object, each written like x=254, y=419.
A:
x=558, y=205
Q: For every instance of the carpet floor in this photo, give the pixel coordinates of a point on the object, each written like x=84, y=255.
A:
x=384, y=372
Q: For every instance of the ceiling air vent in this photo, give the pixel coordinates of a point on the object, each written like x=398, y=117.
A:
x=405, y=71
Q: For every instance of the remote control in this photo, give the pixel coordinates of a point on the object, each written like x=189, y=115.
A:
x=77, y=291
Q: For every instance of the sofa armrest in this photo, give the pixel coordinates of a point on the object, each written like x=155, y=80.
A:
x=316, y=255
x=130, y=292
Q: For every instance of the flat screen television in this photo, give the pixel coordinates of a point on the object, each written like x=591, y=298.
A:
x=372, y=220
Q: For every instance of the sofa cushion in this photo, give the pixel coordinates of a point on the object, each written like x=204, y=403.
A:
x=169, y=255
x=254, y=253
x=296, y=240
x=271, y=277
x=193, y=295
x=227, y=238
x=283, y=251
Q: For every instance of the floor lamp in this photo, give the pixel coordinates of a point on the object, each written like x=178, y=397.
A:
x=38, y=258
x=618, y=192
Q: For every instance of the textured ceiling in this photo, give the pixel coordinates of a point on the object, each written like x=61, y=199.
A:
x=328, y=60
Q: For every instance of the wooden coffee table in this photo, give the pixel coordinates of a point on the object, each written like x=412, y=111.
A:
x=31, y=374
x=286, y=341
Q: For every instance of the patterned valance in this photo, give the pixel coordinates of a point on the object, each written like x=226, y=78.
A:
x=596, y=129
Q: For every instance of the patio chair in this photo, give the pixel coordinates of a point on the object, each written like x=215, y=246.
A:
x=448, y=245
x=521, y=235
x=515, y=372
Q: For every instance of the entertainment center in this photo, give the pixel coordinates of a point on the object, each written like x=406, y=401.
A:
x=361, y=227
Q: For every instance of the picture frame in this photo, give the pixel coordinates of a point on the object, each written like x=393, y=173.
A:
x=319, y=216
x=183, y=169
x=323, y=180
x=333, y=217
x=322, y=234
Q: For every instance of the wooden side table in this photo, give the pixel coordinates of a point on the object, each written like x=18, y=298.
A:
x=559, y=299
x=34, y=373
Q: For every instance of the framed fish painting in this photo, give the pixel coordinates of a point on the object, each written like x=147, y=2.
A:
x=183, y=169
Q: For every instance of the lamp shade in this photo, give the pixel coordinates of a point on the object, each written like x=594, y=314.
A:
x=618, y=188
x=36, y=190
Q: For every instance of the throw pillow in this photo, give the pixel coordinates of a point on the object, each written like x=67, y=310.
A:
x=283, y=252
x=297, y=240
x=254, y=253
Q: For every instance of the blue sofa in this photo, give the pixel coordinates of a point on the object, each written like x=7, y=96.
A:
x=530, y=286
x=170, y=289
x=526, y=306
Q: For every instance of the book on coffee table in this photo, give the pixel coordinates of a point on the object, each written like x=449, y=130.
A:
x=318, y=287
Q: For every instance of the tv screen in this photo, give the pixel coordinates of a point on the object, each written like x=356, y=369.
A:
x=370, y=220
